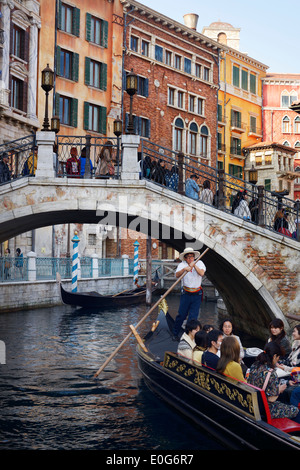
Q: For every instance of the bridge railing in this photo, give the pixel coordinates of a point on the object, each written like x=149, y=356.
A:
x=103, y=156
x=22, y=156
x=172, y=169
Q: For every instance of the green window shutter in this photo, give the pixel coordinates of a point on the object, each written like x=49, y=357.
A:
x=253, y=83
x=59, y=15
x=87, y=71
x=102, y=124
x=86, y=107
x=75, y=66
x=104, y=33
x=88, y=27
x=236, y=76
x=74, y=112
x=58, y=52
x=244, y=79
x=76, y=22
x=103, y=77
x=57, y=96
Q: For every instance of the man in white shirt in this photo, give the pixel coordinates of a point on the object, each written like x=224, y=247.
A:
x=191, y=296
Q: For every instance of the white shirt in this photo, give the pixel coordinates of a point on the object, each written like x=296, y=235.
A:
x=192, y=279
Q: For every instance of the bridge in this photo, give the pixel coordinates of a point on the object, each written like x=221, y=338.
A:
x=255, y=269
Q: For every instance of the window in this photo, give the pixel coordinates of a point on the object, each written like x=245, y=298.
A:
x=141, y=125
x=192, y=104
x=193, y=138
x=145, y=48
x=267, y=185
x=18, y=96
x=200, y=106
x=92, y=240
x=297, y=125
x=180, y=99
x=288, y=98
x=187, y=65
x=142, y=86
x=94, y=118
x=134, y=43
x=96, y=30
x=144, y=127
x=171, y=96
x=95, y=74
x=236, y=146
x=253, y=124
x=158, y=53
x=235, y=170
x=253, y=83
x=67, y=64
x=206, y=74
x=236, y=118
x=168, y=58
x=67, y=109
x=198, y=70
x=69, y=19
x=17, y=40
x=235, y=76
x=245, y=80
x=204, y=142
x=286, y=124
x=177, y=63
x=178, y=134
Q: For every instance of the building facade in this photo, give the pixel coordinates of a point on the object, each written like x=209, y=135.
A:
x=177, y=68
x=82, y=43
x=20, y=24
x=239, y=100
x=281, y=124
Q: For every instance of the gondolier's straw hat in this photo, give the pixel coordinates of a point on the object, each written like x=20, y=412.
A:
x=188, y=251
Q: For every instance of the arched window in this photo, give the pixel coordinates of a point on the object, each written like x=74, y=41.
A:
x=178, y=135
x=204, y=142
x=222, y=38
x=286, y=124
x=297, y=125
x=193, y=138
x=286, y=143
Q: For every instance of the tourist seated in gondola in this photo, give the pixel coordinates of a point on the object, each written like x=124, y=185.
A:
x=210, y=357
x=262, y=375
x=187, y=341
x=278, y=335
x=201, y=344
x=227, y=328
x=289, y=364
x=229, y=362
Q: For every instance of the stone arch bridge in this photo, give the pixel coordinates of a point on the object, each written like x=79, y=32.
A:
x=255, y=270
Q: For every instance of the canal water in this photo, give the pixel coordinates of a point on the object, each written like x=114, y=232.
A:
x=51, y=401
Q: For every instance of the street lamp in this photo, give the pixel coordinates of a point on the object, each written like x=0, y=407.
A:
x=47, y=85
x=253, y=176
x=131, y=88
x=55, y=124
x=117, y=127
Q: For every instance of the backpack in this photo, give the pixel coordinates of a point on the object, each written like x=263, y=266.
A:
x=285, y=231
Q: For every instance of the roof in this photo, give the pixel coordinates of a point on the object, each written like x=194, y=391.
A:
x=271, y=144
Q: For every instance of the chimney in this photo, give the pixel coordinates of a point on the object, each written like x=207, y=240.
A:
x=191, y=20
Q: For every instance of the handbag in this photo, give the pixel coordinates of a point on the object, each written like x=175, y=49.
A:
x=111, y=170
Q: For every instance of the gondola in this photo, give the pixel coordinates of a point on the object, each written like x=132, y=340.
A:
x=235, y=413
x=94, y=300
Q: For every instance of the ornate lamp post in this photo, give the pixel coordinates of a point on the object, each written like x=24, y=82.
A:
x=55, y=124
x=131, y=89
x=253, y=175
x=47, y=85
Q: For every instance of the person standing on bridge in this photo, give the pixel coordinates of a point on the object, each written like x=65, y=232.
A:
x=192, y=188
x=4, y=169
x=192, y=292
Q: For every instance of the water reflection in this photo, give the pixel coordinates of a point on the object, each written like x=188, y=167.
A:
x=50, y=400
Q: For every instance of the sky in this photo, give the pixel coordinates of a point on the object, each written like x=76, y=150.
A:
x=269, y=28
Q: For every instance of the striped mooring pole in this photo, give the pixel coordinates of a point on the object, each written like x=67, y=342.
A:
x=75, y=241
x=136, y=261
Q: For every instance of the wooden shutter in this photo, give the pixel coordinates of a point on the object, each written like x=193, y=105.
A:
x=58, y=53
x=104, y=34
x=86, y=107
x=87, y=66
x=76, y=22
x=74, y=112
x=88, y=21
x=102, y=123
x=75, y=66
x=103, y=76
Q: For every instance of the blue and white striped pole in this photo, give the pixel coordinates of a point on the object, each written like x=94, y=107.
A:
x=136, y=261
x=75, y=241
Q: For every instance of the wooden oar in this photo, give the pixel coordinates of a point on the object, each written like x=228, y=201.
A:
x=143, y=319
x=115, y=295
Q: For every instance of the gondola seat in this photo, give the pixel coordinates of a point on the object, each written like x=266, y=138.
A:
x=284, y=424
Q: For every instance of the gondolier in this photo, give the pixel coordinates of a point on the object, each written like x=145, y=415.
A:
x=192, y=292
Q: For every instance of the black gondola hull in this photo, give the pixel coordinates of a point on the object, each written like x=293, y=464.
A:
x=93, y=300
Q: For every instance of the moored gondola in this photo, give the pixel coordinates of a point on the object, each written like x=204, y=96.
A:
x=234, y=412
x=94, y=300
